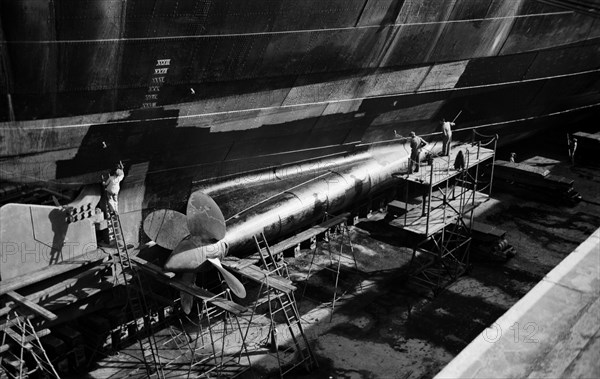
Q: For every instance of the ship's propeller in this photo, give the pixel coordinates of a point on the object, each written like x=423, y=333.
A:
x=166, y=227
x=236, y=286
x=204, y=218
x=194, y=238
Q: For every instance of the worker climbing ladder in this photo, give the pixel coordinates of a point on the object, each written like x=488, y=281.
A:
x=136, y=300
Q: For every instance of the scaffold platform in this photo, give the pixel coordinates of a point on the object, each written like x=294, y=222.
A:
x=451, y=187
x=442, y=167
x=441, y=215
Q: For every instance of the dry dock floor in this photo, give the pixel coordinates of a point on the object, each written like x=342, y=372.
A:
x=383, y=328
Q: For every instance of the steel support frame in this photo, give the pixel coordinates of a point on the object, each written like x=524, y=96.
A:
x=441, y=258
x=345, y=240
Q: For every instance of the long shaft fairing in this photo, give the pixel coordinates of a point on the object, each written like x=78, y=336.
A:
x=330, y=192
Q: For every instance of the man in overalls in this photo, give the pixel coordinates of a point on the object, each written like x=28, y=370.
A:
x=112, y=187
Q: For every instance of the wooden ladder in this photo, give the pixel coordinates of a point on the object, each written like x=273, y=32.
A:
x=276, y=265
x=136, y=300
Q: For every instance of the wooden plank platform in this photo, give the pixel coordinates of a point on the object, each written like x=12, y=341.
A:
x=200, y=293
x=397, y=207
x=443, y=167
x=238, y=264
x=58, y=295
x=259, y=275
x=52, y=271
x=439, y=216
x=309, y=233
x=48, y=295
x=594, y=137
x=22, y=300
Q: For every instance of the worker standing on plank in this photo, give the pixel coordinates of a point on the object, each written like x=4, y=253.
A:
x=416, y=144
x=572, y=149
x=112, y=187
x=446, y=136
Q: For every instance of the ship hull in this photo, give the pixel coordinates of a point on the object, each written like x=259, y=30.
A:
x=200, y=91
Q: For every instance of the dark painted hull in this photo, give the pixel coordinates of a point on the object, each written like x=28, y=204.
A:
x=192, y=91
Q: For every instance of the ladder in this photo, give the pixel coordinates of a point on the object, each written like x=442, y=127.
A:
x=136, y=300
x=286, y=304
x=270, y=262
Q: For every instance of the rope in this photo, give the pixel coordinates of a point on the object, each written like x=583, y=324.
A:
x=272, y=33
x=484, y=135
x=483, y=144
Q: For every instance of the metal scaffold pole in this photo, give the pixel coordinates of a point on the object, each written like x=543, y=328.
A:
x=442, y=235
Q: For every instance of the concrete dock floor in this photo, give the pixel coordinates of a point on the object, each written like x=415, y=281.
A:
x=552, y=332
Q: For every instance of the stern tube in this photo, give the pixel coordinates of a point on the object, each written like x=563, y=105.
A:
x=331, y=192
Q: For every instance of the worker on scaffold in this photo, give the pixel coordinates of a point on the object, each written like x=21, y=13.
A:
x=112, y=188
x=416, y=144
x=572, y=149
x=446, y=136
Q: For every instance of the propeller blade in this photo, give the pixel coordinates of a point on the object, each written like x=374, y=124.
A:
x=236, y=286
x=187, y=300
x=190, y=254
x=204, y=218
x=166, y=227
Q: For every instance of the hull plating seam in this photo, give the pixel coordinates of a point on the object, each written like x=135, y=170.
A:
x=175, y=38
x=83, y=125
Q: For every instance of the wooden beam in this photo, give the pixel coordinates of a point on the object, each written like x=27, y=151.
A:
x=13, y=321
x=200, y=293
x=53, y=290
x=259, y=275
x=152, y=267
x=14, y=284
x=236, y=264
x=309, y=233
x=32, y=306
x=25, y=341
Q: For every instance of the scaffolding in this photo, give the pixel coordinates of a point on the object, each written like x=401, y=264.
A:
x=439, y=228
x=22, y=352
x=286, y=340
x=210, y=345
x=210, y=342
x=340, y=227
x=136, y=301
